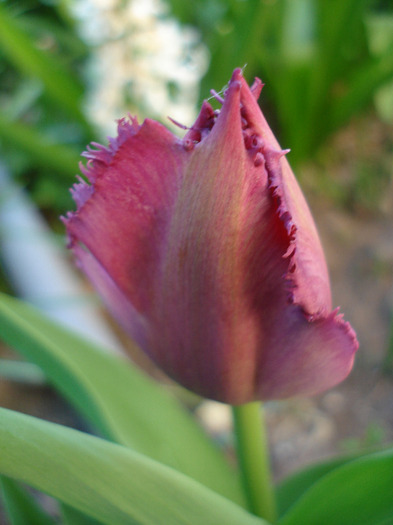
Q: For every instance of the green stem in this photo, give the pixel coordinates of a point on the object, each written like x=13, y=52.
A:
x=253, y=457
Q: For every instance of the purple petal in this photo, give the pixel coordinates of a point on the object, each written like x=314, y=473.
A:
x=123, y=223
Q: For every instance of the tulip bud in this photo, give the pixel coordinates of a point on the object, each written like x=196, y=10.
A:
x=205, y=251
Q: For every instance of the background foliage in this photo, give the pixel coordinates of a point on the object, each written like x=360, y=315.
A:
x=323, y=63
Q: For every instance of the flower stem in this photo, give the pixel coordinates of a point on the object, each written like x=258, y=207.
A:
x=253, y=457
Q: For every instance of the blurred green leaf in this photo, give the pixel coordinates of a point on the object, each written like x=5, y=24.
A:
x=122, y=403
x=24, y=96
x=360, y=492
x=363, y=84
x=60, y=84
x=21, y=371
x=64, y=36
x=20, y=506
x=292, y=488
x=106, y=481
x=43, y=153
x=336, y=31
x=72, y=516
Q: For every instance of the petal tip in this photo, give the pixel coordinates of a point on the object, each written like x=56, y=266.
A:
x=237, y=75
x=346, y=327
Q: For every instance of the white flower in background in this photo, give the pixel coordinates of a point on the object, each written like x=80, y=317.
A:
x=144, y=62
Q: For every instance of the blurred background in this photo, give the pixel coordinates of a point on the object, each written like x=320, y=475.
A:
x=70, y=68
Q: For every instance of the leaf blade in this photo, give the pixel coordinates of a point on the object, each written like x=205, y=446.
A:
x=107, y=481
x=292, y=488
x=360, y=492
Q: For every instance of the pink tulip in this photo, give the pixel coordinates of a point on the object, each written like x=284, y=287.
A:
x=205, y=251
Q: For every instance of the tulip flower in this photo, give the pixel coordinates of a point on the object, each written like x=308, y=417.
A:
x=206, y=252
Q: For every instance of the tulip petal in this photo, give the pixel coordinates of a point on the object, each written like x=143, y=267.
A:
x=311, y=279
x=310, y=357
x=122, y=221
x=205, y=250
x=121, y=308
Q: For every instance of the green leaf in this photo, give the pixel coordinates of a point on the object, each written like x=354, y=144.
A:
x=106, y=481
x=60, y=84
x=72, y=516
x=42, y=151
x=360, y=492
x=20, y=506
x=291, y=488
x=122, y=403
x=363, y=85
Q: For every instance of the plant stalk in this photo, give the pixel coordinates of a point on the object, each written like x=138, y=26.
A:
x=253, y=458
